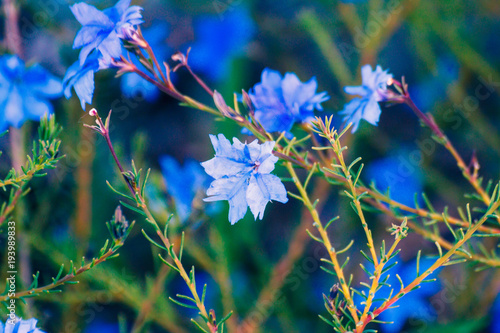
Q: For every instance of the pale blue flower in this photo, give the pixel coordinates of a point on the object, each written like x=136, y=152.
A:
x=218, y=39
x=81, y=78
x=18, y=325
x=242, y=176
x=372, y=91
x=102, y=30
x=184, y=183
x=25, y=91
x=282, y=101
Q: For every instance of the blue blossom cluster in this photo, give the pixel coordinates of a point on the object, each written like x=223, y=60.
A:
x=100, y=43
x=242, y=174
x=372, y=91
x=20, y=326
x=25, y=91
x=102, y=31
x=281, y=102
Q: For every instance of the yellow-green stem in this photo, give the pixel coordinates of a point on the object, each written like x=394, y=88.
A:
x=326, y=241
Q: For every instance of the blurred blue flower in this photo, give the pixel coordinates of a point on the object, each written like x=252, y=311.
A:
x=81, y=78
x=371, y=91
x=184, y=183
x=20, y=326
x=396, y=173
x=102, y=30
x=102, y=326
x=25, y=91
x=132, y=85
x=413, y=304
x=282, y=101
x=432, y=89
x=242, y=176
x=218, y=39
x=495, y=323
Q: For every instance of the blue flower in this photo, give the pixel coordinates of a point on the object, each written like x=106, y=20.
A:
x=282, y=101
x=218, y=39
x=432, y=89
x=242, y=176
x=102, y=30
x=18, y=325
x=132, y=85
x=25, y=91
x=495, y=323
x=371, y=91
x=184, y=183
x=401, y=177
x=81, y=78
x=99, y=325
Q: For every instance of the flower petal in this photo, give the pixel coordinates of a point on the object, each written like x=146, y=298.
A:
x=232, y=189
x=89, y=15
x=261, y=190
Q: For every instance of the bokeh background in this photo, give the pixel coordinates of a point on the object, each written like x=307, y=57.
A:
x=446, y=50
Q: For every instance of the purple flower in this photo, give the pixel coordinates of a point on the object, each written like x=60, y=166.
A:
x=372, y=91
x=81, y=78
x=25, y=91
x=242, y=176
x=184, y=183
x=18, y=325
x=102, y=30
x=282, y=101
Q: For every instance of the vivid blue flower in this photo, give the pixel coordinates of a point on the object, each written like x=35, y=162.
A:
x=20, y=326
x=102, y=30
x=403, y=178
x=218, y=39
x=184, y=183
x=242, y=176
x=81, y=78
x=412, y=305
x=282, y=101
x=372, y=91
x=25, y=91
x=132, y=85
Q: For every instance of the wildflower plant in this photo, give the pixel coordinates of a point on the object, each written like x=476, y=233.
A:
x=280, y=116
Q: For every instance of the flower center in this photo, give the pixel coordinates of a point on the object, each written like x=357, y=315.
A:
x=256, y=165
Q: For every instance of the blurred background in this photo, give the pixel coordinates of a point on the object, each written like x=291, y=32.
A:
x=446, y=50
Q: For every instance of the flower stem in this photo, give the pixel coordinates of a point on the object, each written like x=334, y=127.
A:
x=326, y=242
x=438, y=263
